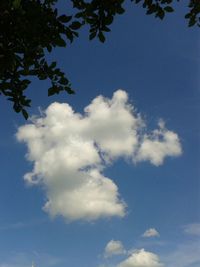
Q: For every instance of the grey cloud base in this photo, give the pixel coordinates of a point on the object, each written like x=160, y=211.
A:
x=69, y=152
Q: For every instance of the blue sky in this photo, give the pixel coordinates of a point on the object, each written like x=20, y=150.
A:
x=149, y=206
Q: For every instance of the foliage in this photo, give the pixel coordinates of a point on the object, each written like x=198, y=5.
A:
x=30, y=29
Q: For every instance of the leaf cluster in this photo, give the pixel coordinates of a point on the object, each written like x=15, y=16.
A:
x=193, y=15
x=30, y=29
x=157, y=7
x=160, y=7
x=99, y=15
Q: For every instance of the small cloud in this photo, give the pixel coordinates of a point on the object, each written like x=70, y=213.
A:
x=114, y=247
x=141, y=258
x=21, y=225
x=192, y=229
x=151, y=232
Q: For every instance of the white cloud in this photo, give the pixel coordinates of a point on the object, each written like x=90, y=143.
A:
x=70, y=151
x=114, y=247
x=113, y=125
x=151, y=232
x=141, y=258
x=156, y=146
x=192, y=229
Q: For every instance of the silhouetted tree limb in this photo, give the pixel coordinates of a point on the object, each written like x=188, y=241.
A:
x=29, y=29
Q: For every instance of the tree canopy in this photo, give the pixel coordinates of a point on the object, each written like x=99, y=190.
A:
x=30, y=29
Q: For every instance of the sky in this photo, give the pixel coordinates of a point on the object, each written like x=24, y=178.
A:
x=108, y=177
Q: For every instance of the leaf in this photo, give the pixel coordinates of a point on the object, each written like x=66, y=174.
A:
x=69, y=35
x=150, y=11
x=25, y=83
x=92, y=35
x=16, y=4
x=168, y=9
x=49, y=48
x=16, y=107
x=75, y=33
x=27, y=103
x=64, y=80
x=75, y=25
x=79, y=15
x=5, y=86
x=187, y=16
x=64, y=18
x=51, y=91
x=24, y=72
x=192, y=22
x=25, y=114
x=105, y=29
x=42, y=76
x=53, y=65
x=60, y=42
x=33, y=72
x=120, y=10
x=108, y=20
x=90, y=20
x=69, y=90
x=160, y=14
x=101, y=37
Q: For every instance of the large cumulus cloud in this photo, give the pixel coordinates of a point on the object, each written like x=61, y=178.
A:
x=69, y=152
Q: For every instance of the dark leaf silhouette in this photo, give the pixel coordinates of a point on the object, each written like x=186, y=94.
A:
x=31, y=29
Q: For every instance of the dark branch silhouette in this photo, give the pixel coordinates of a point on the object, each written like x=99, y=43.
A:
x=29, y=29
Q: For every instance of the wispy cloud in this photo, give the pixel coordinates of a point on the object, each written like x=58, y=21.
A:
x=184, y=255
x=21, y=225
x=70, y=152
x=24, y=259
x=192, y=229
